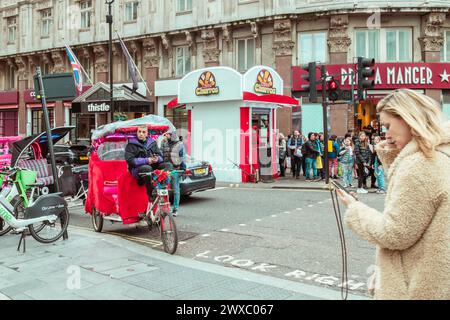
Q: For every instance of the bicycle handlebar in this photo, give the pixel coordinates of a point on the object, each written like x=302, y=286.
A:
x=150, y=174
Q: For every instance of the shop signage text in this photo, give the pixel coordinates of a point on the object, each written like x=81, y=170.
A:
x=264, y=83
x=390, y=76
x=94, y=107
x=207, y=85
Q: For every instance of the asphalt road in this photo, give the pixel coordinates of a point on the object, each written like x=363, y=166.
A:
x=289, y=234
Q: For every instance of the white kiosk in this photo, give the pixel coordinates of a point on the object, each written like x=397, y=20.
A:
x=232, y=120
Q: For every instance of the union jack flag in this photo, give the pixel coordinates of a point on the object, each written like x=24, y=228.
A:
x=76, y=67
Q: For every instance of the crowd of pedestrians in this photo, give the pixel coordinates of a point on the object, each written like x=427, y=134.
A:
x=352, y=159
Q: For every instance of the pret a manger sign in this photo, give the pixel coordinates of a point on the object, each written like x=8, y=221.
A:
x=391, y=75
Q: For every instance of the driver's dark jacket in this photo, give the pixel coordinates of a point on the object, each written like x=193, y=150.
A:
x=137, y=154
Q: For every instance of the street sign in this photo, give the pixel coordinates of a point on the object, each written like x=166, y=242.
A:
x=58, y=87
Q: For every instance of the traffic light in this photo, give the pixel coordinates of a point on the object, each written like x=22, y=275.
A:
x=311, y=77
x=334, y=89
x=365, y=72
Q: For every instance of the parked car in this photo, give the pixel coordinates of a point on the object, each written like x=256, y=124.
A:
x=67, y=154
x=200, y=177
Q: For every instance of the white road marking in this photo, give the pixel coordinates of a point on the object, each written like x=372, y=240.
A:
x=242, y=225
x=287, y=212
x=225, y=230
x=206, y=235
x=216, y=189
x=258, y=220
x=182, y=242
x=310, y=206
x=299, y=209
x=320, y=202
x=274, y=216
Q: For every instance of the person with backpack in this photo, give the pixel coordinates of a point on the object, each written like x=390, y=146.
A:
x=333, y=157
x=173, y=154
x=311, y=153
x=295, y=145
x=347, y=160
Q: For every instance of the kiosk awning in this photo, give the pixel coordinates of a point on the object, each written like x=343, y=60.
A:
x=173, y=104
x=271, y=98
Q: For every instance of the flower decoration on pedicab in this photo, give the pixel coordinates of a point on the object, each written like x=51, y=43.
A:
x=161, y=179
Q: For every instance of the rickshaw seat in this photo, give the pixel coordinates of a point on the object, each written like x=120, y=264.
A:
x=42, y=168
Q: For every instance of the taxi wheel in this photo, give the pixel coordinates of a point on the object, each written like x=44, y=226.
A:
x=97, y=220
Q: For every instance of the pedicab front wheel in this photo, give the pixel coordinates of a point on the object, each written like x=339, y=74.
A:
x=97, y=220
x=169, y=235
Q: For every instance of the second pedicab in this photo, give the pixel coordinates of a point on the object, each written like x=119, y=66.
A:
x=114, y=194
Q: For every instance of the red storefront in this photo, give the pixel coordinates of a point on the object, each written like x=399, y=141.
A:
x=388, y=77
x=9, y=113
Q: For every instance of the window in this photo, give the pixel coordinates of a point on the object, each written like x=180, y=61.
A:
x=87, y=66
x=385, y=45
x=312, y=47
x=245, y=54
x=125, y=69
x=367, y=44
x=131, y=11
x=183, y=61
x=86, y=8
x=184, y=5
x=37, y=120
x=9, y=123
x=445, y=52
x=11, y=77
x=46, y=22
x=46, y=68
x=398, y=48
x=12, y=29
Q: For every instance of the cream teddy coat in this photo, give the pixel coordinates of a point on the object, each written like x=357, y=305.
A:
x=412, y=235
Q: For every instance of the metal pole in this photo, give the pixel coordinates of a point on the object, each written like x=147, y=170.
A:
x=48, y=130
x=109, y=20
x=325, y=123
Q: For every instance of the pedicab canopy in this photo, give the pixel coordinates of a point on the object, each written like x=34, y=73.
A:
x=38, y=142
x=156, y=125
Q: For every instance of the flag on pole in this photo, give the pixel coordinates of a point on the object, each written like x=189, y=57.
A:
x=131, y=65
x=76, y=67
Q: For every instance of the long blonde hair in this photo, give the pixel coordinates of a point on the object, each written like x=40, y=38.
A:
x=421, y=113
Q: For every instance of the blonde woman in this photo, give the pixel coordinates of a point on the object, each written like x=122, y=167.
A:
x=412, y=235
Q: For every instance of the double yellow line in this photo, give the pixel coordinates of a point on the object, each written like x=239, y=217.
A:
x=153, y=243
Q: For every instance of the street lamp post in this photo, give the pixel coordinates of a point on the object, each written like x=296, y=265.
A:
x=109, y=20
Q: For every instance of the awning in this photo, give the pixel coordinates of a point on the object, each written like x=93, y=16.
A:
x=67, y=104
x=271, y=98
x=174, y=104
x=38, y=105
x=9, y=106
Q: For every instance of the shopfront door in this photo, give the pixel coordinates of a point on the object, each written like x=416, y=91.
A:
x=262, y=145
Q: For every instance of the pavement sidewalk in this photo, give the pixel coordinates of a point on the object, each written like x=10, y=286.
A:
x=91, y=266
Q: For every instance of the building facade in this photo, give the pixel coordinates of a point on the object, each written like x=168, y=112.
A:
x=168, y=39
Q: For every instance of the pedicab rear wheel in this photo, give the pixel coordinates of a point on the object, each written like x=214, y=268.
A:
x=169, y=235
x=97, y=220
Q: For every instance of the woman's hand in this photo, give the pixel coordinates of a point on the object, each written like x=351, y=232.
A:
x=346, y=199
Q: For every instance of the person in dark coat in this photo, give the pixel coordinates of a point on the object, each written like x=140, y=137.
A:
x=143, y=155
x=363, y=155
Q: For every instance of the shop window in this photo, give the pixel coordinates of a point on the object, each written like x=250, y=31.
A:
x=9, y=123
x=312, y=47
x=445, y=51
x=85, y=123
x=183, y=61
x=38, y=122
x=12, y=29
x=46, y=22
x=131, y=10
x=184, y=6
x=178, y=116
x=245, y=54
x=86, y=11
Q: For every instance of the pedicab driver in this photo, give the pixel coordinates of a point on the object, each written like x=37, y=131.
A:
x=143, y=155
